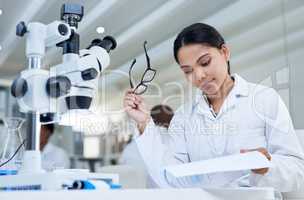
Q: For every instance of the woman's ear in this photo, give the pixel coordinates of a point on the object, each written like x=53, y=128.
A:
x=225, y=51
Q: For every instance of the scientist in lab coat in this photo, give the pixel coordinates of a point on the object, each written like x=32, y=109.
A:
x=52, y=156
x=228, y=116
x=161, y=115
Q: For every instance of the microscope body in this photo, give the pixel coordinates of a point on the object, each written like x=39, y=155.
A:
x=69, y=85
x=46, y=94
x=30, y=95
x=73, y=84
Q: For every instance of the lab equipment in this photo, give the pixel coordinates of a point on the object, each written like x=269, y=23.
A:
x=46, y=95
x=12, y=147
x=65, y=179
x=69, y=85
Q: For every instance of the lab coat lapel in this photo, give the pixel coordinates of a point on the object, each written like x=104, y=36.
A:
x=202, y=106
x=239, y=90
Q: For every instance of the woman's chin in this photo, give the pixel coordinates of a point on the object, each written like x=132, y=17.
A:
x=211, y=92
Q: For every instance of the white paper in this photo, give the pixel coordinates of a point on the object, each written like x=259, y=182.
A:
x=236, y=162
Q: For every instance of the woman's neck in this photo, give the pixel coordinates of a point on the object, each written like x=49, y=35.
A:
x=217, y=100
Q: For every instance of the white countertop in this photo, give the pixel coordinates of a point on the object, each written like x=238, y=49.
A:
x=145, y=194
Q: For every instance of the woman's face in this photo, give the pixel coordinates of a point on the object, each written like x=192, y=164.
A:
x=204, y=66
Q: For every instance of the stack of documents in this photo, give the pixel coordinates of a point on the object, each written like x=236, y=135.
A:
x=237, y=162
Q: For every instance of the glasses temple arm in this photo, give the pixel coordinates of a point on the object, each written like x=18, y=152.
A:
x=130, y=77
x=147, y=56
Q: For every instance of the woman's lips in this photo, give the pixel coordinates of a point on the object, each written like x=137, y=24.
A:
x=206, y=85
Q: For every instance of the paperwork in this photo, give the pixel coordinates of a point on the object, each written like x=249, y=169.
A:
x=243, y=161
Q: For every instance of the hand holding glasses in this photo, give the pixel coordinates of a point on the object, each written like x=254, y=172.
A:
x=147, y=77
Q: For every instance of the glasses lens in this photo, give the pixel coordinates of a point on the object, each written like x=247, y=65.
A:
x=148, y=76
x=140, y=89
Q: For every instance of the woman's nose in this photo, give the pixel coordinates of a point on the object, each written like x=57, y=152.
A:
x=199, y=74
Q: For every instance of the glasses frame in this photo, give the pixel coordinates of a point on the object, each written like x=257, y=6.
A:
x=143, y=82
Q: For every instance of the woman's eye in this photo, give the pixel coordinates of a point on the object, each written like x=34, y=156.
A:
x=188, y=71
x=206, y=63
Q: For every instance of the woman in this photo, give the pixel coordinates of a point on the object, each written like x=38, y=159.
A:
x=229, y=115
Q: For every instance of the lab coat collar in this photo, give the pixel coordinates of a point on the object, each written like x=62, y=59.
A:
x=240, y=89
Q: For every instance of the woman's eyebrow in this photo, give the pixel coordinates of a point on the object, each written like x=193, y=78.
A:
x=204, y=55
x=184, y=66
x=201, y=57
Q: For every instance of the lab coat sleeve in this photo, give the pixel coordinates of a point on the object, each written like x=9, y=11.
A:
x=284, y=147
x=157, y=155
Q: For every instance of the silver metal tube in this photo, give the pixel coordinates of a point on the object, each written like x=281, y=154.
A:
x=36, y=130
x=34, y=62
x=33, y=132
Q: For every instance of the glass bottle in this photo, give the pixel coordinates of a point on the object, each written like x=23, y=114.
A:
x=10, y=143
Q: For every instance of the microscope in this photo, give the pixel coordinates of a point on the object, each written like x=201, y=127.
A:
x=47, y=94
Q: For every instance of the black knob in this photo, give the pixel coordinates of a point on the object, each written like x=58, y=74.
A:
x=19, y=88
x=89, y=74
x=63, y=29
x=58, y=86
x=21, y=29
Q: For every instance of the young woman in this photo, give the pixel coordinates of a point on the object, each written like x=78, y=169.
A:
x=229, y=115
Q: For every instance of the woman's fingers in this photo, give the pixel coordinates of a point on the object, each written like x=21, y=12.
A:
x=133, y=97
x=130, y=90
x=261, y=150
x=265, y=153
x=130, y=98
x=138, y=98
x=260, y=171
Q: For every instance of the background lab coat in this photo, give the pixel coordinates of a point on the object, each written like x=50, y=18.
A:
x=54, y=157
x=252, y=116
x=131, y=156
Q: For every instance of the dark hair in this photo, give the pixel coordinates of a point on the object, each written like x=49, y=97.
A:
x=49, y=127
x=199, y=33
x=162, y=115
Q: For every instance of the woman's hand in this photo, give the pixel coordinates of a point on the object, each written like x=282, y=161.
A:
x=264, y=151
x=136, y=108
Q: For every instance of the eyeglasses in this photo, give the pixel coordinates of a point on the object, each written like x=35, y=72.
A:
x=147, y=76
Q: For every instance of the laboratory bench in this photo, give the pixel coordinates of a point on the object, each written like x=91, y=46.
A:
x=145, y=194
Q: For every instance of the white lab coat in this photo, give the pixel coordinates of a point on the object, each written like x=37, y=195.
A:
x=131, y=156
x=252, y=116
x=54, y=157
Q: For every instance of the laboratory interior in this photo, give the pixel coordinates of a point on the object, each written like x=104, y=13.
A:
x=162, y=99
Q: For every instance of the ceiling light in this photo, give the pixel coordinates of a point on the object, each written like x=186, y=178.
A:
x=0, y=11
x=0, y=47
x=100, y=30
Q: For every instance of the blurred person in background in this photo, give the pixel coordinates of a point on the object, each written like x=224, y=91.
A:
x=52, y=156
x=161, y=115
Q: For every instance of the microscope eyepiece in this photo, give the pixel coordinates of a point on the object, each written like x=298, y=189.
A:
x=63, y=29
x=108, y=43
